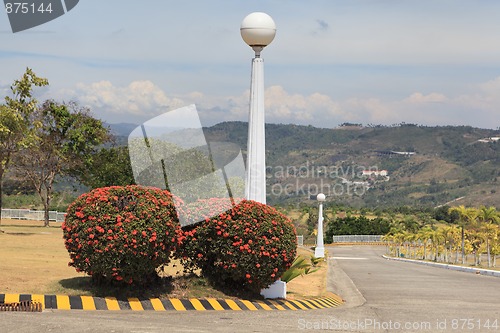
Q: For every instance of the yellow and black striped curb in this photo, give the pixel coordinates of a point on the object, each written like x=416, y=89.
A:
x=64, y=302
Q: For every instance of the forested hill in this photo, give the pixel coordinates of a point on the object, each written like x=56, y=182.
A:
x=426, y=166
x=413, y=165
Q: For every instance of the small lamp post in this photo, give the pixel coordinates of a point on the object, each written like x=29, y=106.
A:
x=319, y=251
x=257, y=30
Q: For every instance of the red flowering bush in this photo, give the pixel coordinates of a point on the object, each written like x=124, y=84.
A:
x=250, y=245
x=122, y=233
x=200, y=210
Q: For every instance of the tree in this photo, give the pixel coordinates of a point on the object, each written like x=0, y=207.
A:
x=465, y=216
x=451, y=235
x=64, y=137
x=488, y=216
x=436, y=237
x=410, y=224
x=14, y=120
x=495, y=245
x=107, y=167
x=395, y=237
x=410, y=238
x=424, y=234
x=189, y=173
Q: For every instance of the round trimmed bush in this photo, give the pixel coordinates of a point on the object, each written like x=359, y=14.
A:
x=122, y=233
x=250, y=245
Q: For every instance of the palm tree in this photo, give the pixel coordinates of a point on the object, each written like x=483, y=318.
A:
x=488, y=216
x=424, y=234
x=436, y=237
x=410, y=238
x=495, y=245
x=465, y=216
x=399, y=238
x=475, y=238
x=451, y=234
x=395, y=236
x=488, y=232
x=389, y=239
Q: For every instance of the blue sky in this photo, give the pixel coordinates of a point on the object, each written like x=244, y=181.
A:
x=431, y=62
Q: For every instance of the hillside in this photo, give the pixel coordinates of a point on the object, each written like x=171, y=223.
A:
x=365, y=166
x=426, y=166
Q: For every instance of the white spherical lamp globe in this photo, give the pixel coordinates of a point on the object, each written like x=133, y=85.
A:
x=258, y=29
x=321, y=197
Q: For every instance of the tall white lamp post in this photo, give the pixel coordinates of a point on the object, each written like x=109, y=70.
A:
x=319, y=251
x=257, y=30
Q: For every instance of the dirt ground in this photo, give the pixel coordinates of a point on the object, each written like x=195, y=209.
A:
x=33, y=258
x=308, y=285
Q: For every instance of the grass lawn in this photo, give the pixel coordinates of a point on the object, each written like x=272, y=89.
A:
x=33, y=260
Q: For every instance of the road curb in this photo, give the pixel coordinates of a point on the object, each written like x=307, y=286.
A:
x=481, y=271
x=91, y=303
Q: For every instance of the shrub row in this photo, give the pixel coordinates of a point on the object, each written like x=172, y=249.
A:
x=126, y=233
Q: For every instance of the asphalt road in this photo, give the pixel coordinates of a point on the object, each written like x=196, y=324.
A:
x=381, y=295
x=416, y=298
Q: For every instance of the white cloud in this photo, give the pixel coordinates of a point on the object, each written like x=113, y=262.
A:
x=419, y=98
x=282, y=106
x=143, y=100
x=138, y=99
x=480, y=108
x=368, y=110
x=482, y=104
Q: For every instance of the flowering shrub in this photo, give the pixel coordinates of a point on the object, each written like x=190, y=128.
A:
x=250, y=245
x=200, y=210
x=122, y=233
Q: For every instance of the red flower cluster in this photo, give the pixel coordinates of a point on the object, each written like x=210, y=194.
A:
x=122, y=233
x=250, y=245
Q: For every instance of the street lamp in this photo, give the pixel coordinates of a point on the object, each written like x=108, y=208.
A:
x=319, y=251
x=257, y=30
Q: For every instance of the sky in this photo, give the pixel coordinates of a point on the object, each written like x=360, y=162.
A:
x=428, y=62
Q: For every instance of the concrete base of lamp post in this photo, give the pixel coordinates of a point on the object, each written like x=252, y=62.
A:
x=276, y=290
x=319, y=252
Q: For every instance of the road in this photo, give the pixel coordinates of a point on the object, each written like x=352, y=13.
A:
x=381, y=295
x=414, y=297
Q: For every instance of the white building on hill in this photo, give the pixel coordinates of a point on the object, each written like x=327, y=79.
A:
x=368, y=173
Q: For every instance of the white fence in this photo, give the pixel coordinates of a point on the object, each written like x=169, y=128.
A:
x=357, y=238
x=35, y=215
x=300, y=240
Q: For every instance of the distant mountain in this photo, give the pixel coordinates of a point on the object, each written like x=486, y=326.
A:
x=374, y=166
x=121, y=129
x=377, y=166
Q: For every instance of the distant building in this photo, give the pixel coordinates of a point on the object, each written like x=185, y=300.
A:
x=492, y=139
x=392, y=153
x=383, y=173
